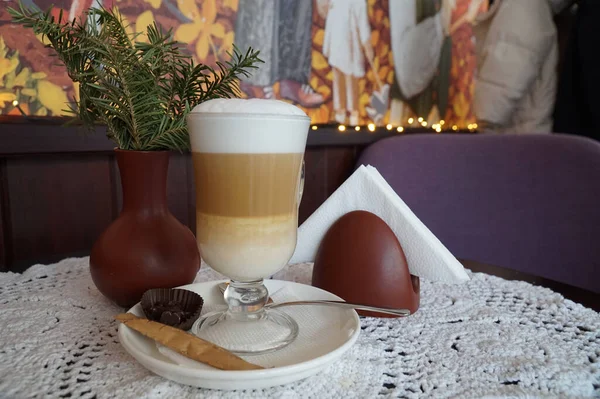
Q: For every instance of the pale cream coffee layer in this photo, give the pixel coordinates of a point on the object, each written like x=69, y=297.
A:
x=246, y=248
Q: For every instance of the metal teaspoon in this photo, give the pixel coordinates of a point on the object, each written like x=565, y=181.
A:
x=341, y=304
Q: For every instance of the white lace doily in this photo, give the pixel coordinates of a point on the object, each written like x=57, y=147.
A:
x=486, y=338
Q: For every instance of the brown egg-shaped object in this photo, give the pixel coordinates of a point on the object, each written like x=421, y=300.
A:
x=361, y=260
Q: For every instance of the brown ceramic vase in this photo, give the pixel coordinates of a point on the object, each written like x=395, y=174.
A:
x=146, y=246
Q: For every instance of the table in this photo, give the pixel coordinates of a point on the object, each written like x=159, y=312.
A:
x=487, y=337
x=587, y=298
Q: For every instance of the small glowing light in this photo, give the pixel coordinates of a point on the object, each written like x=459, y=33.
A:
x=420, y=119
x=357, y=128
x=454, y=127
x=15, y=103
x=411, y=120
x=474, y=125
x=442, y=122
x=371, y=127
x=424, y=124
x=470, y=126
x=400, y=129
x=388, y=126
x=435, y=126
x=341, y=128
x=438, y=129
x=314, y=127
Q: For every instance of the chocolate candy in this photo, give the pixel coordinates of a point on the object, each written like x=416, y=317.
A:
x=174, y=307
x=171, y=318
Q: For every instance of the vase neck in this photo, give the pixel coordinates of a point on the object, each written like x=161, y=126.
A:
x=144, y=180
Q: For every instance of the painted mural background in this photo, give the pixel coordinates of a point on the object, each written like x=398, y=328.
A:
x=333, y=58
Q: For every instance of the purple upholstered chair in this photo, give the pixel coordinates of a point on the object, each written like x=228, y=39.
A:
x=525, y=202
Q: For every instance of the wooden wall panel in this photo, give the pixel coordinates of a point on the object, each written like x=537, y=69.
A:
x=315, y=184
x=58, y=205
x=4, y=221
x=340, y=165
x=326, y=169
x=3, y=263
x=179, y=187
x=55, y=204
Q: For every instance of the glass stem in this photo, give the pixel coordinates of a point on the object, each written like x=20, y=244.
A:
x=246, y=300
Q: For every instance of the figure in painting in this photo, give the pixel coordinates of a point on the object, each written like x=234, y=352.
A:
x=422, y=49
x=347, y=41
x=281, y=29
x=78, y=7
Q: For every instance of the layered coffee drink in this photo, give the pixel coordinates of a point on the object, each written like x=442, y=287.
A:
x=247, y=157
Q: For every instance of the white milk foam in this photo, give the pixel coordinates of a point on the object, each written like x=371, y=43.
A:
x=248, y=106
x=255, y=126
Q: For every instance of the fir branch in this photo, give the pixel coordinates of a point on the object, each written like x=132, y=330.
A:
x=142, y=92
x=224, y=84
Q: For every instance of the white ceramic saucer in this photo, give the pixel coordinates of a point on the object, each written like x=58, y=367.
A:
x=326, y=333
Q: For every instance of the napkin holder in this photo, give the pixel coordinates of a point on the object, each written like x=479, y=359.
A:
x=361, y=260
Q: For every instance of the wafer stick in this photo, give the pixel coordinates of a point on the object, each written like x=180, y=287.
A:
x=186, y=344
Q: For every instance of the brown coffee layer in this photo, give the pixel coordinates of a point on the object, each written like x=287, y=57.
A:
x=246, y=185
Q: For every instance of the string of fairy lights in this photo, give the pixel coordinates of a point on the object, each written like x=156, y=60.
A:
x=371, y=127
x=418, y=123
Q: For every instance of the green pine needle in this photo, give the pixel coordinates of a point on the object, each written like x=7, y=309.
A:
x=141, y=91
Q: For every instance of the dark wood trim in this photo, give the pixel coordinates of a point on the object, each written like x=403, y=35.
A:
x=44, y=138
x=579, y=295
x=331, y=136
x=21, y=136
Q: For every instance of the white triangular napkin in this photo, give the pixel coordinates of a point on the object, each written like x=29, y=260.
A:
x=367, y=190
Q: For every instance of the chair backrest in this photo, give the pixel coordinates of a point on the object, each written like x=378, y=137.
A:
x=525, y=202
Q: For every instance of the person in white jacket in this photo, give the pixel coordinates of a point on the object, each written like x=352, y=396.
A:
x=517, y=55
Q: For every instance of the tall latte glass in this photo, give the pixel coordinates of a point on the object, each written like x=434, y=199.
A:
x=248, y=166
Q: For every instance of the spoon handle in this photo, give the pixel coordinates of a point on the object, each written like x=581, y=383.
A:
x=341, y=304
x=347, y=305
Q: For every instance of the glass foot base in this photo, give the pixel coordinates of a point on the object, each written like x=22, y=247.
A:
x=247, y=334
